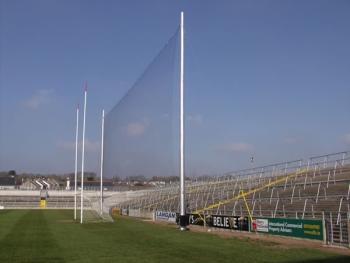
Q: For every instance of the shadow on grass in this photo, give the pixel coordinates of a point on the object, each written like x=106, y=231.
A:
x=337, y=259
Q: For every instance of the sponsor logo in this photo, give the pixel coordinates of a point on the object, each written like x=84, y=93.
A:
x=195, y=220
x=225, y=222
x=167, y=216
x=260, y=225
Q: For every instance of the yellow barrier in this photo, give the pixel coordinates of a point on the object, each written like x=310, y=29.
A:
x=43, y=204
x=176, y=196
x=245, y=201
x=250, y=192
x=116, y=211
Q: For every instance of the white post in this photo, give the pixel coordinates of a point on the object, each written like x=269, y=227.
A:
x=82, y=161
x=182, y=130
x=76, y=164
x=101, y=178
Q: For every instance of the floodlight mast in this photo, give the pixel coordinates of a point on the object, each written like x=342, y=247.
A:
x=82, y=161
x=183, y=222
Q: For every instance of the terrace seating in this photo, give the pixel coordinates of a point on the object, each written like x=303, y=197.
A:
x=291, y=192
x=33, y=201
x=316, y=191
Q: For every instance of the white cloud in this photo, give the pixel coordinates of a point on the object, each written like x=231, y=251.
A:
x=136, y=129
x=286, y=141
x=40, y=98
x=347, y=137
x=89, y=146
x=289, y=140
x=165, y=116
x=235, y=147
x=197, y=119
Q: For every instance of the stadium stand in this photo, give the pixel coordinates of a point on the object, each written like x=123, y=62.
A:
x=318, y=190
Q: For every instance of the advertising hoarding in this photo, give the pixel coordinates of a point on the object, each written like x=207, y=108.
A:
x=220, y=221
x=311, y=229
x=165, y=216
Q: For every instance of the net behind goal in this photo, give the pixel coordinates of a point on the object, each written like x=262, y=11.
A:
x=138, y=131
x=92, y=212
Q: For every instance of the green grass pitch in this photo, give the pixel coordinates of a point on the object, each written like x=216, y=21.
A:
x=53, y=236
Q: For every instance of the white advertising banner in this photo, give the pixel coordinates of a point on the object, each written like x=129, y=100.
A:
x=166, y=216
x=134, y=213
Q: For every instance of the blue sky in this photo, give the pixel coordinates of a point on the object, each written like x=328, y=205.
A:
x=272, y=79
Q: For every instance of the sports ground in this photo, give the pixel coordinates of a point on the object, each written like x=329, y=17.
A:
x=54, y=236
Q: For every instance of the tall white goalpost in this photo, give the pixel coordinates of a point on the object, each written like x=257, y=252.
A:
x=76, y=164
x=82, y=162
x=101, y=178
x=182, y=130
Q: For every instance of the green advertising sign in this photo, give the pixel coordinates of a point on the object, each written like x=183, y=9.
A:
x=311, y=229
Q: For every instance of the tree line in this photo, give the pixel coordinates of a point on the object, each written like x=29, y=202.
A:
x=92, y=176
x=22, y=177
